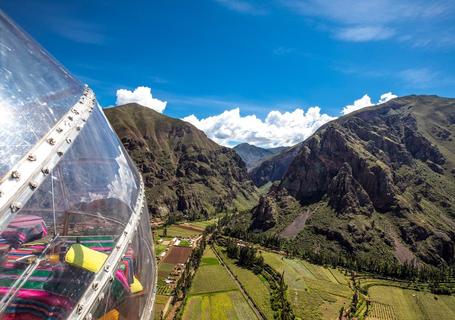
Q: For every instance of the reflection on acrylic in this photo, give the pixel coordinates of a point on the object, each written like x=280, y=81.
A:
x=56, y=245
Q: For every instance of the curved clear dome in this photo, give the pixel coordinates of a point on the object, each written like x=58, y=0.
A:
x=75, y=238
x=35, y=92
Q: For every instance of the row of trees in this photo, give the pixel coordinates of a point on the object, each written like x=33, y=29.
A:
x=247, y=257
x=377, y=266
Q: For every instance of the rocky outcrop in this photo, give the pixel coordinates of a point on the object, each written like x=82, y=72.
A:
x=273, y=168
x=264, y=214
x=346, y=195
x=392, y=163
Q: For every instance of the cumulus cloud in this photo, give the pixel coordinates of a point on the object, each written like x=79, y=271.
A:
x=277, y=129
x=142, y=96
x=365, y=101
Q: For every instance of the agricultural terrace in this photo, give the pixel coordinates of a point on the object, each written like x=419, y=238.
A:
x=255, y=285
x=315, y=292
x=214, y=294
x=393, y=303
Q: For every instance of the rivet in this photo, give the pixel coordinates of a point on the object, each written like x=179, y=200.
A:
x=59, y=130
x=78, y=128
x=15, y=175
x=15, y=206
x=68, y=140
x=70, y=118
x=106, y=268
x=45, y=170
x=51, y=141
x=95, y=285
x=79, y=308
x=33, y=185
x=60, y=153
x=31, y=157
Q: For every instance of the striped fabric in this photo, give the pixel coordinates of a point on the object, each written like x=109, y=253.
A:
x=24, y=228
x=53, y=289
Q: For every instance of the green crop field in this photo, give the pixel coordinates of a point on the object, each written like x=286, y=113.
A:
x=256, y=287
x=178, y=231
x=218, y=306
x=214, y=294
x=203, y=224
x=390, y=303
x=160, y=303
x=164, y=269
x=315, y=292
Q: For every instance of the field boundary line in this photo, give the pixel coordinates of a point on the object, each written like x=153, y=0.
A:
x=250, y=301
x=211, y=292
x=336, y=279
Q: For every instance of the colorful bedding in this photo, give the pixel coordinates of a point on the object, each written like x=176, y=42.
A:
x=24, y=228
x=53, y=288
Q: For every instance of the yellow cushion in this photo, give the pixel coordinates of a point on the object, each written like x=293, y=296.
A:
x=85, y=258
x=111, y=315
x=136, y=286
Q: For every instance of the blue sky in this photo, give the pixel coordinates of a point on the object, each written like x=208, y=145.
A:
x=205, y=57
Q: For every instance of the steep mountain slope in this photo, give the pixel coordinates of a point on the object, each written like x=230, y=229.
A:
x=379, y=181
x=252, y=155
x=274, y=167
x=183, y=170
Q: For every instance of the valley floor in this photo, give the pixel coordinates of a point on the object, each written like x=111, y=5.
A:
x=214, y=294
x=223, y=290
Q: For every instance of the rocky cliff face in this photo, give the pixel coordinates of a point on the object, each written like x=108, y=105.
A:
x=386, y=172
x=254, y=156
x=184, y=172
x=274, y=168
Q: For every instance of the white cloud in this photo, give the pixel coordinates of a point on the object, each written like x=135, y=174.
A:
x=242, y=6
x=278, y=128
x=362, y=34
x=365, y=101
x=142, y=96
x=386, y=97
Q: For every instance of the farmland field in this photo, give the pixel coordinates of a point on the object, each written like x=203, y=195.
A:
x=176, y=230
x=203, y=224
x=256, y=287
x=224, y=305
x=160, y=303
x=409, y=304
x=315, y=292
x=178, y=255
x=214, y=294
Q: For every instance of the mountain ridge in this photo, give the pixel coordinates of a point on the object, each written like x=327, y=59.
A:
x=185, y=173
x=381, y=178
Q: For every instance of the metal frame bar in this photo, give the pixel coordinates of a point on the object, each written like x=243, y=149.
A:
x=95, y=293
x=19, y=184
